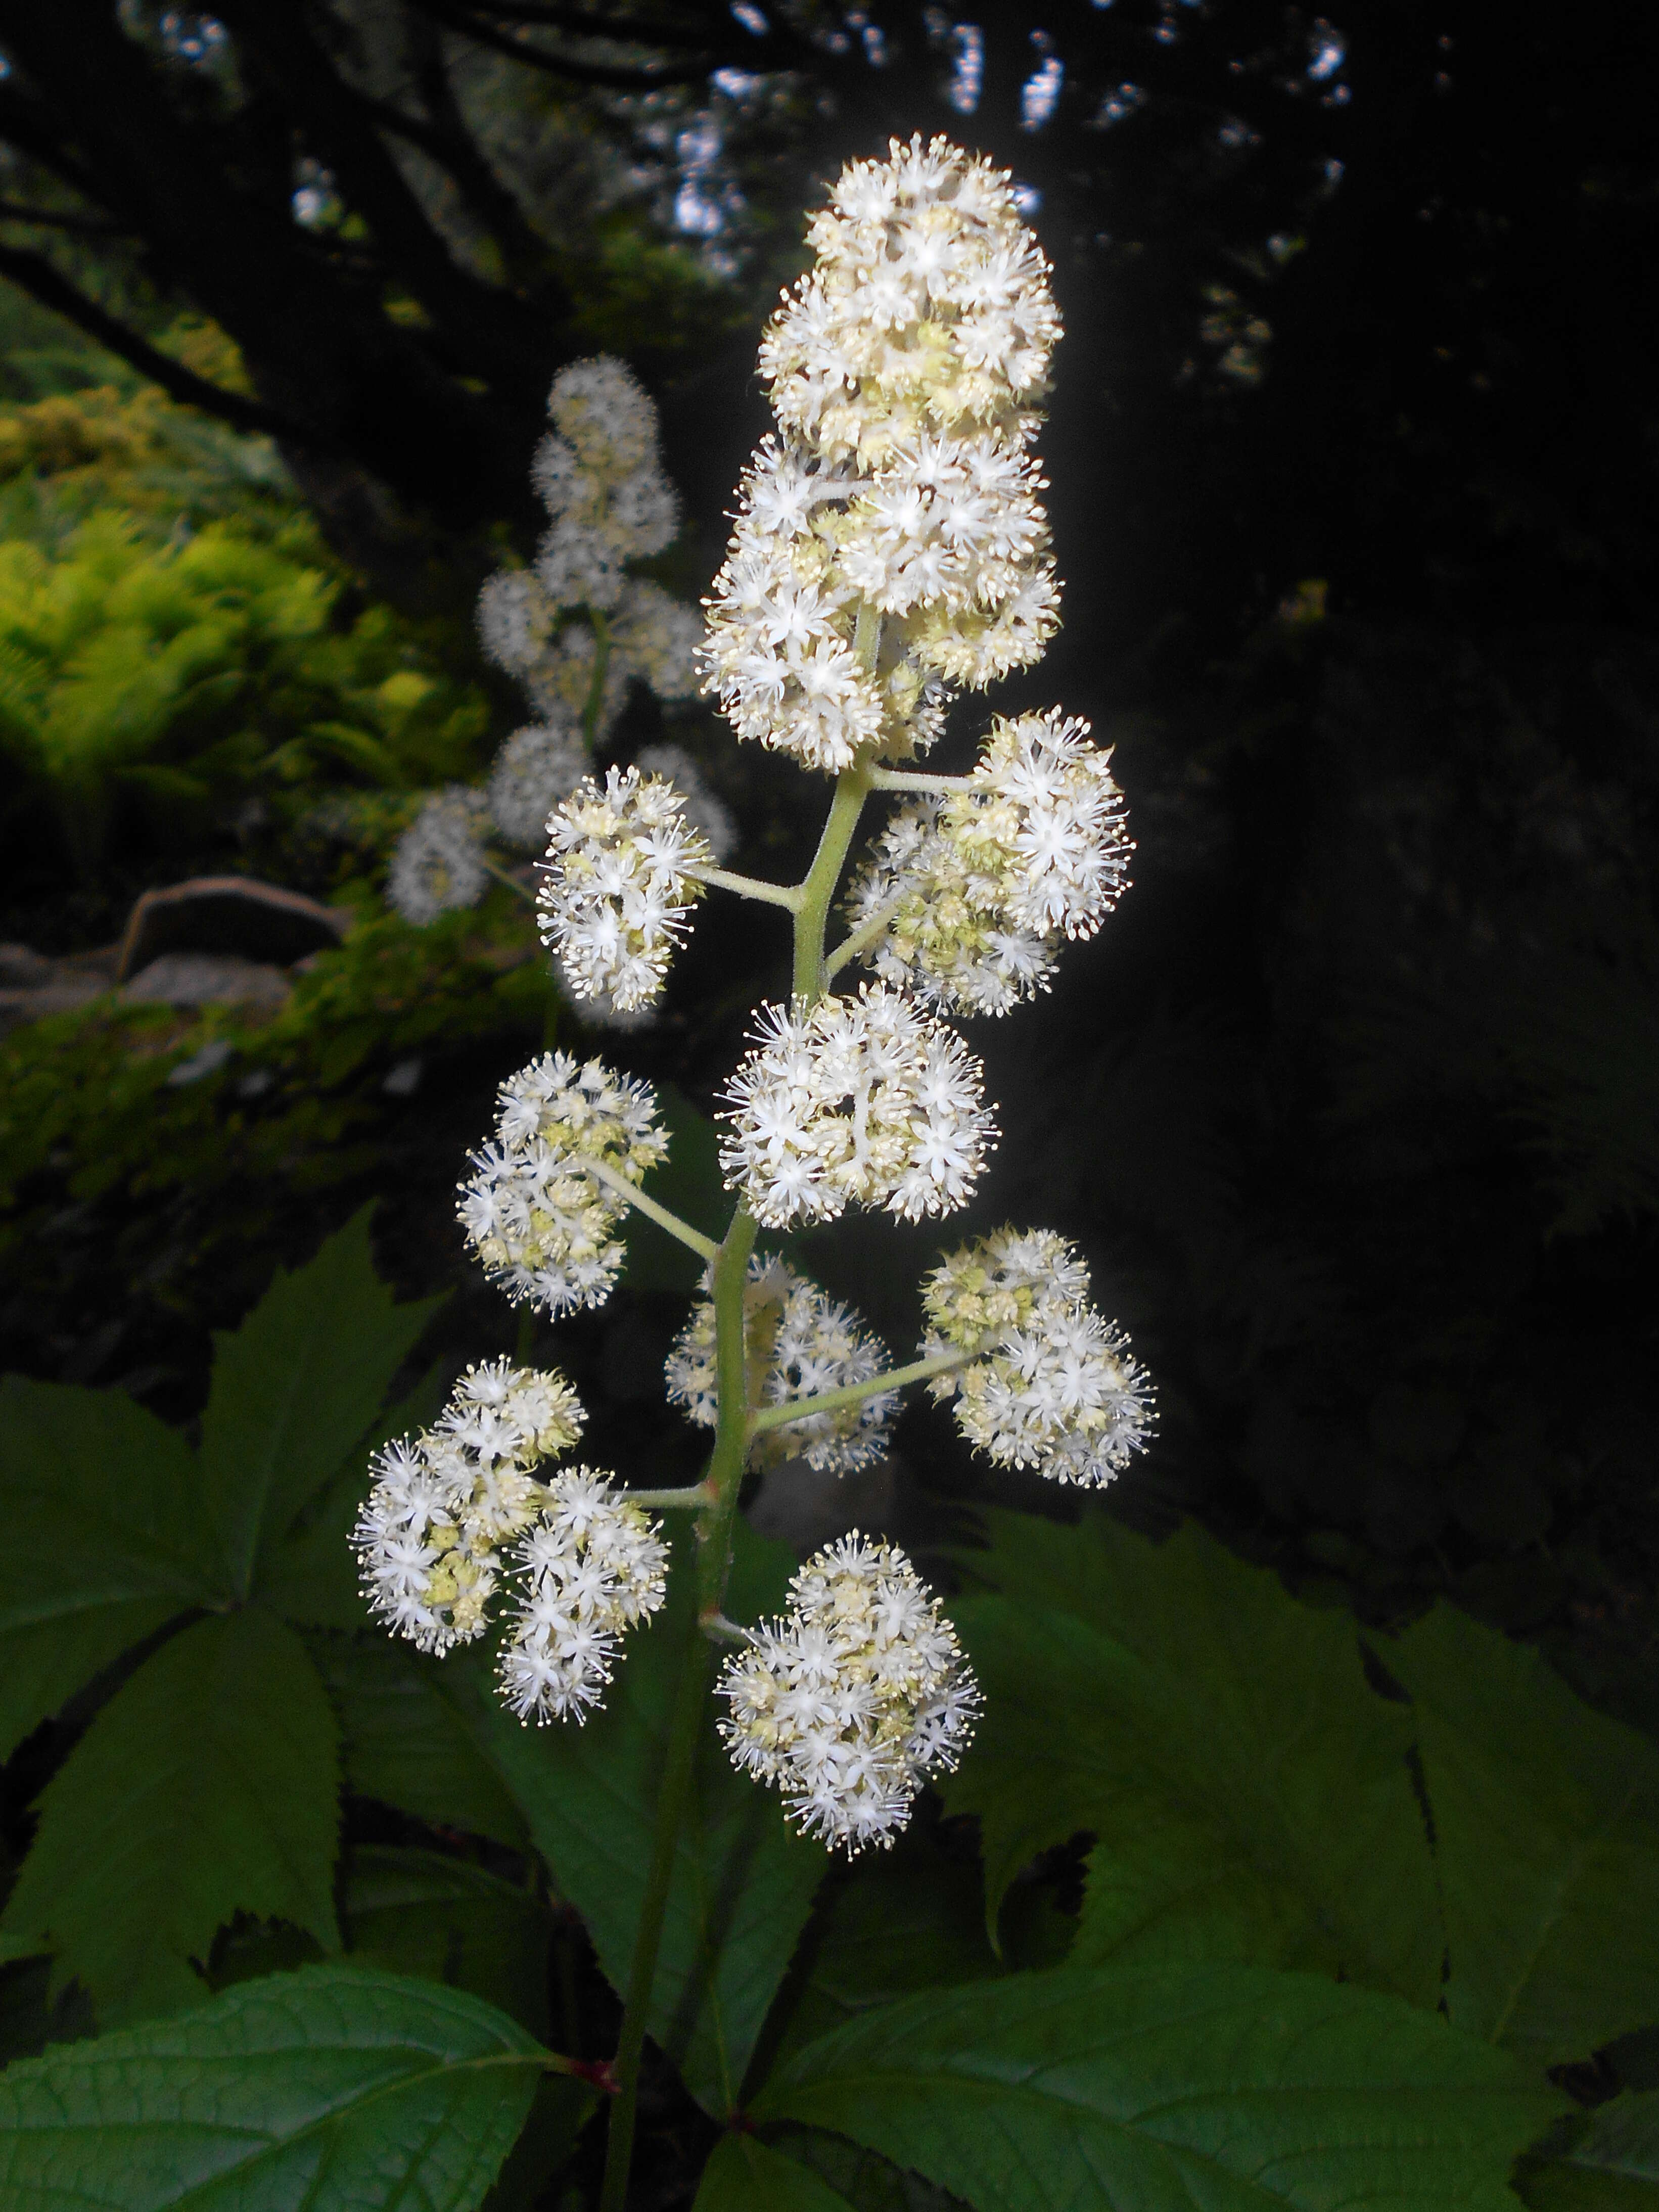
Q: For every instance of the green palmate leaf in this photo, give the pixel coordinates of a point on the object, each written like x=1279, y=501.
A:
x=1228, y=2087
x=742, y=1883
x=416, y=1913
x=102, y=1500
x=403, y=1743
x=1547, y=1835
x=1250, y=1793
x=895, y=1922
x=309, y=1575
x=295, y=1388
x=744, y=2176
x=1610, y=2163
x=206, y=1786
x=336, y=2089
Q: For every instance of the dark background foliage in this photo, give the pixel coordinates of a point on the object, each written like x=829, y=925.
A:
x=1352, y=453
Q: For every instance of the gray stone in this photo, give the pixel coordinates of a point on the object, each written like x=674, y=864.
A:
x=207, y=979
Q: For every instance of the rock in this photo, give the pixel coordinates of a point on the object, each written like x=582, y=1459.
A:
x=227, y=914
x=60, y=996
x=23, y=969
x=207, y=979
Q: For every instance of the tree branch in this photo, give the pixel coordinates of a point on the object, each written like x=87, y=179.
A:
x=92, y=226
x=38, y=277
x=632, y=31
x=616, y=78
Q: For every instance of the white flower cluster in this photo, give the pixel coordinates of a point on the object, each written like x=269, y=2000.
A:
x=620, y=880
x=575, y=630
x=892, y=543
x=592, y=1566
x=796, y=1343
x=980, y=887
x=703, y=809
x=1051, y=1385
x=439, y=865
x=867, y=1100
x=542, y=1222
x=599, y=474
x=428, y=1536
x=855, y=1699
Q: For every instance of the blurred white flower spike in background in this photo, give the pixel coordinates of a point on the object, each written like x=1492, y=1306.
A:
x=576, y=628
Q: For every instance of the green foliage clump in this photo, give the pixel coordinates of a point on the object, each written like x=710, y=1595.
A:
x=1303, y=1846
x=183, y=671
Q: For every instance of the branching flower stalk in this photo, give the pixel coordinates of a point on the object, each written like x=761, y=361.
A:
x=890, y=553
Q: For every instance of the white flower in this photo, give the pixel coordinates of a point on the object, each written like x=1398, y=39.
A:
x=541, y=1222
x=1052, y=1385
x=428, y=1536
x=515, y=619
x=905, y=370
x=619, y=883
x=799, y=1342
x=855, y=1699
x=537, y=768
x=654, y=636
x=702, y=808
x=980, y=888
x=439, y=863
x=592, y=1566
x=867, y=1100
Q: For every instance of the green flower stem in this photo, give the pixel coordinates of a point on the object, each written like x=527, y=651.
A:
x=505, y=876
x=900, y=779
x=818, y=886
x=615, y=1179
x=854, y=1394
x=692, y=1499
x=750, y=887
x=595, y=698
x=722, y=1483
x=866, y=934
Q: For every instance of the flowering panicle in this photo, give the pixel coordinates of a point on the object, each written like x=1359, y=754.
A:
x=439, y=865
x=904, y=371
x=980, y=887
x=430, y=1535
x=542, y=1222
x=797, y=1342
x=1051, y=1385
x=854, y=1699
x=592, y=1566
x=620, y=880
x=867, y=1100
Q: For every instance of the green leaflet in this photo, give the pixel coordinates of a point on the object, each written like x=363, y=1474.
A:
x=102, y=1501
x=418, y=1912
x=744, y=2176
x=907, y=1919
x=1249, y=1792
x=742, y=1883
x=206, y=1786
x=295, y=1388
x=309, y=1574
x=1228, y=2087
x=1611, y=2163
x=1547, y=1829
x=405, y=1745
x=336, y=2089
